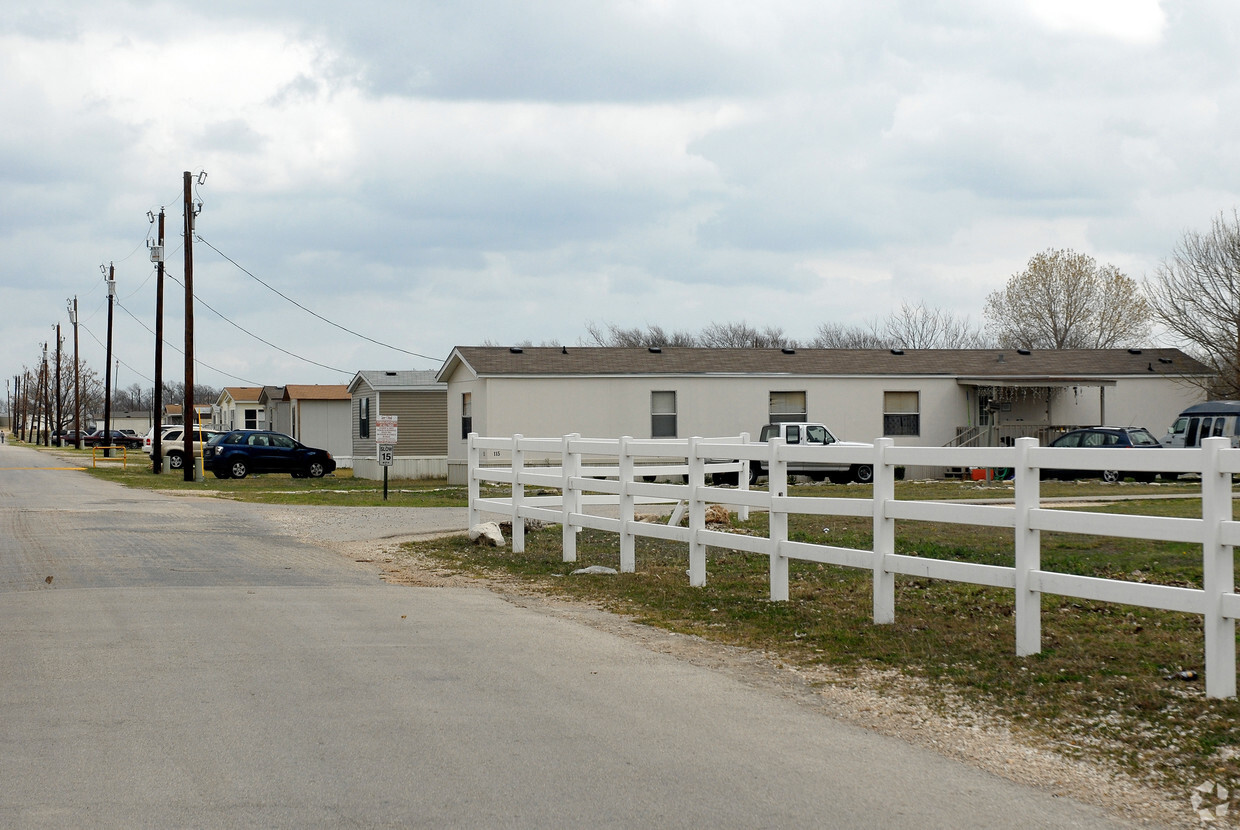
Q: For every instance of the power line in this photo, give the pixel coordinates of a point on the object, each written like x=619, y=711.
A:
x=256, y=337
x=118, y=360
x=308, y=311
x=180, y=351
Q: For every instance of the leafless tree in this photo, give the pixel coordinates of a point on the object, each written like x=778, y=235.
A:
x=1196, y=294
x=743, y=336
x=918, y=326
x=841, y=336
x=1065, y=300
x=610, y=334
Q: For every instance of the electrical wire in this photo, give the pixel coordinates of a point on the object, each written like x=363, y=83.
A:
x=114, y=357
x=255, y=336
x=308, y=311
x=181, y=352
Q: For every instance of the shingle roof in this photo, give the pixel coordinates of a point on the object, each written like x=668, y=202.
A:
x=380, y=379
x=1006, y=364
x=316, y=392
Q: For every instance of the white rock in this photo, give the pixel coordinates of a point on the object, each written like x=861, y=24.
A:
x=595, y=569
x=486, y=533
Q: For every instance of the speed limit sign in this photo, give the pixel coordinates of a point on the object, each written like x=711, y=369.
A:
x=386, y=452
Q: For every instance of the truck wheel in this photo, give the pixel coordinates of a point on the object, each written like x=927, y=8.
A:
x=753, y=473
x=863, y=473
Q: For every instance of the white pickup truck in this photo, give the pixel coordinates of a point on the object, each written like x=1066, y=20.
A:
x=813, y=434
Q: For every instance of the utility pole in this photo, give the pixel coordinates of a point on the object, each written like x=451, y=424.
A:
x=77, y=379
x=190, y=415
x=107, y=367
x=47, y=400
x=60, y=413
x=157, y=442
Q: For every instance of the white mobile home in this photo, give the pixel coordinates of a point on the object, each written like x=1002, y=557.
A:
x=931, y=397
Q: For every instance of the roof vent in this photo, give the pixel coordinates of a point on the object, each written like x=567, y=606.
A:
x=516, y=349
x=390, y=374
x=1134, y=351
x=897, y=351
x=1023, y=351
x=789, y=351
x=655, y=350
x=1165, y=360
x=564, y=350
x=1002, y=357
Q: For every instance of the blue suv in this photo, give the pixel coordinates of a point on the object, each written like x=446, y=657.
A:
x=238, y=453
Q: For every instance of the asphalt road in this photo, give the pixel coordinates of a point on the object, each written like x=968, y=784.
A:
x=192, y=664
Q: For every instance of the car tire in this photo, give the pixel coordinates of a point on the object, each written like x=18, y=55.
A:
x=237, y=469
x=219, y=473
x=1111, y=476
x=315, y=470
x=863, y=473
x=176, y=460
x=753, y=472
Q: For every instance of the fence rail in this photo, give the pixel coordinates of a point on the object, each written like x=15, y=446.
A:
x=610, y=472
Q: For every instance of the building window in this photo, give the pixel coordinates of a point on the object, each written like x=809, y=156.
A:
x=901, y=413
x=363, y=417
x=467, y=414
x=662, y=414
x=787, y=408
x=251, y=419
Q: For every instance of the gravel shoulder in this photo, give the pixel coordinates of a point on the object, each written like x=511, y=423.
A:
x=883, y=702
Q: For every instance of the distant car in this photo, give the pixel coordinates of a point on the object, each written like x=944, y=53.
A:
x=172, y=444
x=238, y=453
x=96, y=438
x=1104, y=438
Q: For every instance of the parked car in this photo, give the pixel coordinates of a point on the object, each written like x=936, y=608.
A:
x=172, y=444
x=238, y=453
x=96, y=438
x=1104, y=438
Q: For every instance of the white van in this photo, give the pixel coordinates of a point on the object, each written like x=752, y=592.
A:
x=1204, y=420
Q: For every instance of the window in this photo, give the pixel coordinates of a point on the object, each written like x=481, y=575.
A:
x=901, y=413
x=662, y=414
x=787, y=407
x=251, y=419
x=363, y=417
x=467, y=414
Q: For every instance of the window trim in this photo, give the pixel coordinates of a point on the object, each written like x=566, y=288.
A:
x=901, y=423
x=660, y=419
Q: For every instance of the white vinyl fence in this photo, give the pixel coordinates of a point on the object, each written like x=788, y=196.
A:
x=611, y=472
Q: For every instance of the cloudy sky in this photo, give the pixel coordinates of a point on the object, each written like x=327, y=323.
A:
x=434, y=174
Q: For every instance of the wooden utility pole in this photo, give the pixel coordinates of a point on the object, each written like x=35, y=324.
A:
x=60, y=413
x=107, y=368
x=157, y=441
x=191, y=465
x=77, y=379
x=47, y=401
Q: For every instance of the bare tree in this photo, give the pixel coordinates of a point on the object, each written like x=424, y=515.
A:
x=743, y=336
x=1196, y=295
x=918, y=326
x=1065, y=300
x=841, y=336
x=610, y=334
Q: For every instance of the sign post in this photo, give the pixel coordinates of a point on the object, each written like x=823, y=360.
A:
x=385, y=439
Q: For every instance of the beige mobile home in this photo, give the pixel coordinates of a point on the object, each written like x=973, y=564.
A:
x=419, y=403
x=932, y=397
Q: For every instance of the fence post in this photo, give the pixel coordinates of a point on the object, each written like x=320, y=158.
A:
x=628, y=542
x=742, y=482
x=518, y=495
x=777, y=487
x=471, y=482
x=1217, y=572
x=697, y=515
x=1028, y=552
x=570, y=465
x=884, y=534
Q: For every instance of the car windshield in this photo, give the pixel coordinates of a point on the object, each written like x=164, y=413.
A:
x=1143, y=438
